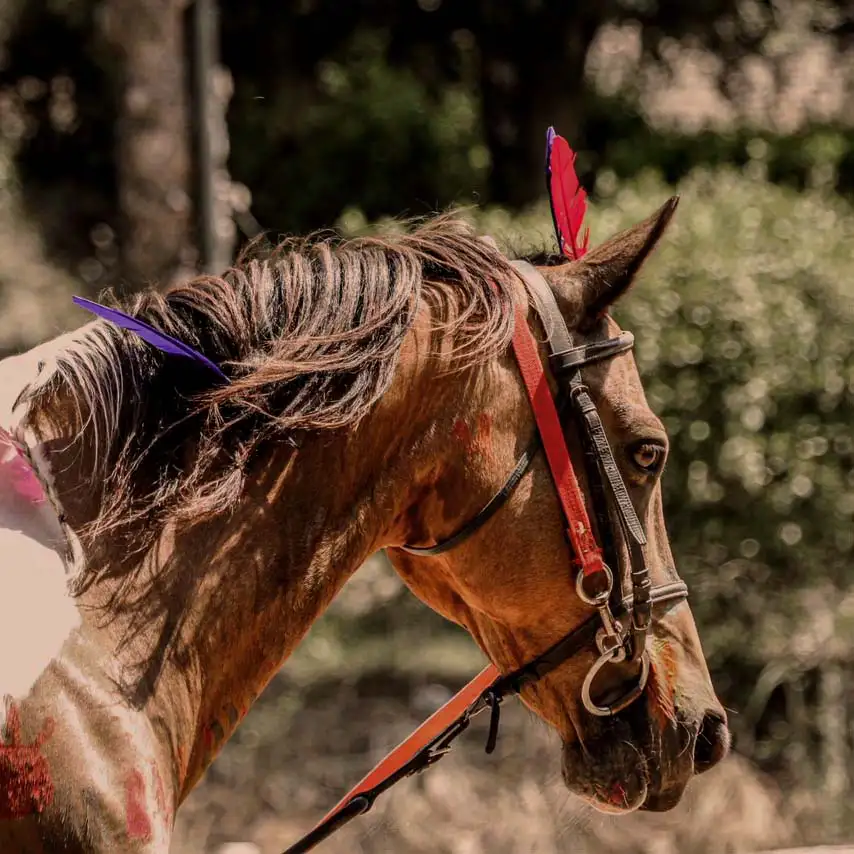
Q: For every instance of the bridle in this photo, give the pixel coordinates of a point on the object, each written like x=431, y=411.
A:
x=617, y=641
x=621, y=621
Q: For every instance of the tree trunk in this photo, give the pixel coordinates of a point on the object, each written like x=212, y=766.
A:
x=152, y=137
x=211, y=88
x=532, y=76
x=832, y=719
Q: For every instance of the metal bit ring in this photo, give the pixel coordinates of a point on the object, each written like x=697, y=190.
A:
x=627, y=699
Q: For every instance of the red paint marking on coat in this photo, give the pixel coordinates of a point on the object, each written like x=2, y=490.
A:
x=479, y=441
x=484, y=434
x=462, y=432
x=137, y=820
x=163, y=806
x=26, y=784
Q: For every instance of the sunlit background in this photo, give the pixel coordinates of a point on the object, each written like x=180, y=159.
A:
x=340, y=114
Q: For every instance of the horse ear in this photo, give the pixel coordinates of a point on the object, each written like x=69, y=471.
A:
x=607, y=271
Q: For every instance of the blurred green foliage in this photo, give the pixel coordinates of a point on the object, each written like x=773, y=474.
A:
x=405, y=106
x=618, y=139
x=370, y=129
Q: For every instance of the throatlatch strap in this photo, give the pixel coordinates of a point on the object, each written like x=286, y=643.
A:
x=586, y=549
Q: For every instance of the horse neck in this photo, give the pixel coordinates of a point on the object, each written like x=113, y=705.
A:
x=249, y=585
x=254, y=582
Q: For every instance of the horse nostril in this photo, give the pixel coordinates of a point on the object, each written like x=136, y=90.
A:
x=712, y=742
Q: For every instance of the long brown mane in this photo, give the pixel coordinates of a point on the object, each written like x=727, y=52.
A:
x=309, y=332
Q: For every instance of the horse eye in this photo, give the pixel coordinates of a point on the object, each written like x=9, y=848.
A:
x=648, y=457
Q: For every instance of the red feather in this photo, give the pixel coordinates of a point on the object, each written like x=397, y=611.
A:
x=568, y=198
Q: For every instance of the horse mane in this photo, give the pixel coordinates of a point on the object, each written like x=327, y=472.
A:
x=309, y=332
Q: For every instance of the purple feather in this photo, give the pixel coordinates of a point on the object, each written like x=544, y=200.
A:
x=148, y=333
x=550, y=139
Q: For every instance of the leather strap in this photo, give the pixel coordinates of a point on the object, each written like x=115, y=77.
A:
x=587, y=354
x=566, y=362
x=489, y=510
x=596, y=431
x=411, y=755
x=585, y=548
x=433, y=738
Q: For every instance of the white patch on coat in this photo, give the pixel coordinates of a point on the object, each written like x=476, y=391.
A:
x=37, y=611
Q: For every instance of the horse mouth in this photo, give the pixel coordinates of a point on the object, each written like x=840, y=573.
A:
x=609, y=787
x=617, y=801
x=616, y=774
x=662, y=801
x=620, y=798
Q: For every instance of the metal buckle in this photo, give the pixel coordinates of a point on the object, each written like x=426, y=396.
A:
x=597, y=599
x=611, y=636
x=611, y=642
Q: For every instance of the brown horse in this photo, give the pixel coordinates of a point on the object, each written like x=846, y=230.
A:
x=373, y=403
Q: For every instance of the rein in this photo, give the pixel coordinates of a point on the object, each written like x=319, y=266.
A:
x=595, y=583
